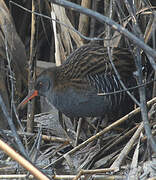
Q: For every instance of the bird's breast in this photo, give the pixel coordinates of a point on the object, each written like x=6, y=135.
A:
x=85, y=102
x=80, y=104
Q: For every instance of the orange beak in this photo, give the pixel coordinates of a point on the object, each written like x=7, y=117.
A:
x=30, y=96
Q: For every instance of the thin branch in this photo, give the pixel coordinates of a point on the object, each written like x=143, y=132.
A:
x=128, y=89
x=119, y=78
x=91, y=172
x=44, y=137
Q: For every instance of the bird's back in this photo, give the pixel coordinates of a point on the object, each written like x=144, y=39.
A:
x=93, y=59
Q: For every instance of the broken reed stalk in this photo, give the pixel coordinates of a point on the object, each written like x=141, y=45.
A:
x=84, y=20
x=32, y=64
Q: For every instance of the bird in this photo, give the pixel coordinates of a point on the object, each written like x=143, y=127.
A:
x=73, y=87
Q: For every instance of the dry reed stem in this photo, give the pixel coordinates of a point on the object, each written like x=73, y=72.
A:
x=84, y=20
x=22, y=161
x=91, y=172
x=30, y=111
x=127, y=148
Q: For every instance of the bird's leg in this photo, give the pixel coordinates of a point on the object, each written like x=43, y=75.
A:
x=102, y=121
x=98, y=124
x=61, y=120
x=78, y=131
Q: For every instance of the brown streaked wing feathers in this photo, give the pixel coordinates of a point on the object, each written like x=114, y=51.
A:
x=93, y=59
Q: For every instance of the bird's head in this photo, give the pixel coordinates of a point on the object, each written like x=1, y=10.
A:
x=43, y=85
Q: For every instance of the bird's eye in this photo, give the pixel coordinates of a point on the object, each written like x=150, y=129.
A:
x=40, y=84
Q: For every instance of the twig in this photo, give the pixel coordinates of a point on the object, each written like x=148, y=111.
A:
x=154, y=45
x=96, y=177
x=78, y=131
x=44, y=137
x=133, y=174
x=16, y=176
x=32, y=64
x=96, y=171
x=65, y=177
x=36, y=145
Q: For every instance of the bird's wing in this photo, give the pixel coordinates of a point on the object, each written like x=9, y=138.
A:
x=93, y=59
